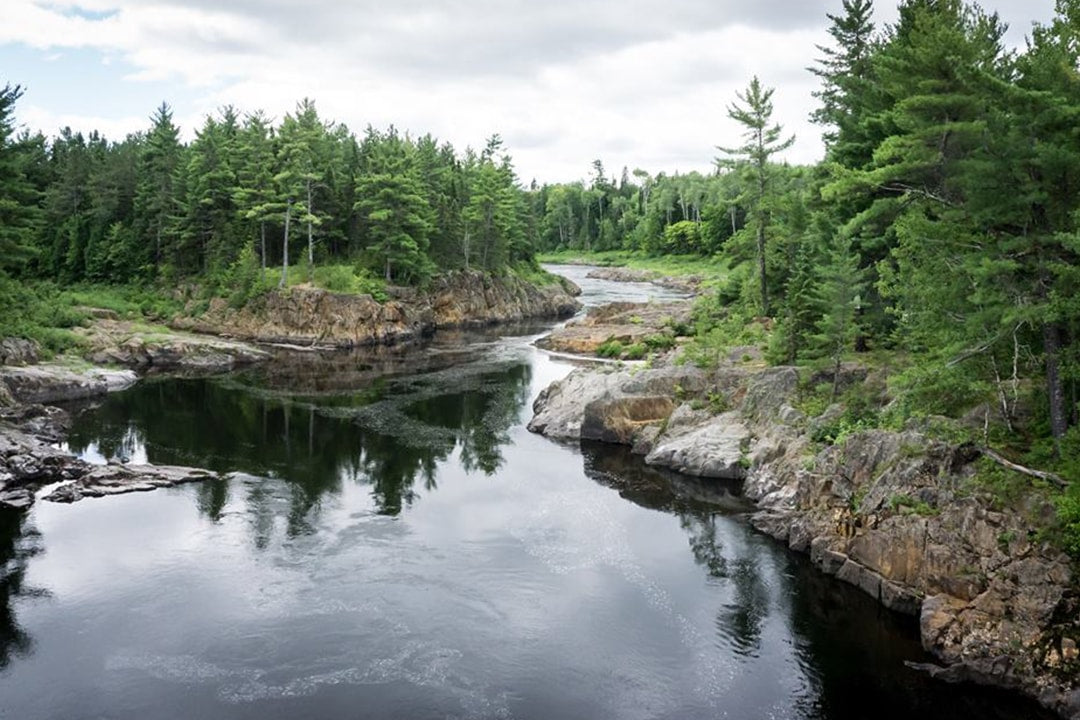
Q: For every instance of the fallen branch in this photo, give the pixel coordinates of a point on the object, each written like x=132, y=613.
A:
x=1049, y=477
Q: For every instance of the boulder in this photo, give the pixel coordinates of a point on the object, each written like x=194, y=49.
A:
x=714, y=449
x=770, y=391
x=18, y=351
x=50, y=382
x=618, y=419
x=115, y=479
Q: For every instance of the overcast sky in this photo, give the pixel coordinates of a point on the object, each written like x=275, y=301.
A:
x=637, y=83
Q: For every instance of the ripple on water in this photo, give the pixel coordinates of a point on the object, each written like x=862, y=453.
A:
x=571, y=532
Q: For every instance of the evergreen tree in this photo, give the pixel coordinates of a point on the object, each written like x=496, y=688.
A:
x=19, y=212
x=399, y=219
x=156, y=198
x=255, y=192
x=304, y=158
x=846, y=72
x=839, y=290
x=763, y=140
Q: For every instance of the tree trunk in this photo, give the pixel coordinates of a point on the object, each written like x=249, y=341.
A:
x=762, y=216
x=310, y=242
x=761, y=266
x=1055, y=391
x=262, y=243
x=285, y=249
x=388, y=276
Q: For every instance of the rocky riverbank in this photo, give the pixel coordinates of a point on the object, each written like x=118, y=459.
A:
x=628, y=324
x=31, y=458
x=31, y=432
x=689, y=284
x=318, y=317
x=895, y=513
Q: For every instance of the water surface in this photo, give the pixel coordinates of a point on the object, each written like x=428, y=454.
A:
x=396, y=544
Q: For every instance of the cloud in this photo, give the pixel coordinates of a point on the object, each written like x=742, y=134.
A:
x=642, y=83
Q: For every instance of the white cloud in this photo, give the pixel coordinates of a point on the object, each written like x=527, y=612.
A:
x=642, y=83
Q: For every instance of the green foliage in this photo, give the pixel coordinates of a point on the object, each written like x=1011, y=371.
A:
x=610, y=349
x=637, y=351
x=718, y=402
x=909, y=505
x=1068, y=519
x=659, y=341
x=246, y=279
x=350, y=279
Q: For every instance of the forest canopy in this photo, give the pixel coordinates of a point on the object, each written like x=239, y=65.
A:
x=942, y=221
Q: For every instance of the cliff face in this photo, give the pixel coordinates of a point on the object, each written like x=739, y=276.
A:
x=893, y=513
x=459, y=299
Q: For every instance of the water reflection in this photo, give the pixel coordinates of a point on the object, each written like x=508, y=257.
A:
x=18, y=543
x=389, y=433
x=849, y=652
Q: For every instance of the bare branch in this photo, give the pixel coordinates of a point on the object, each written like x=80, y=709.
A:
x=1049, y=477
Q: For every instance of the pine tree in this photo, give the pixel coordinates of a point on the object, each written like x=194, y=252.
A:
x=19, y=212
x=839, y=289
x=254, y=193
x=303, y=156
x=391, y=201
x=156, y=197
x=846, y=72
x=763, y=140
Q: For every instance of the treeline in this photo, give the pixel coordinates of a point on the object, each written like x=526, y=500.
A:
x=942, y=222
x=305, y=191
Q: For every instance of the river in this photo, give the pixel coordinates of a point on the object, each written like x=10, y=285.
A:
x=394, y=544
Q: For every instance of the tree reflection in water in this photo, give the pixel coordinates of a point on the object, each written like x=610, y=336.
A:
x=19, y=541
x=850, y=651
x=389, y=433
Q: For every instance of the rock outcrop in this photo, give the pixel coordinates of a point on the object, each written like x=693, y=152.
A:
x=118, y=342
x=18, y=351
x=56, y=382
x=319, y=317
x=625, y=322
x=31, y=460
x=116, y=479
x=894, y=513
x=689, y=284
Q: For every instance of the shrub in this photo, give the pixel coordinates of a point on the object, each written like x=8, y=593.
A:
x=245, y=278
x=637, y=351
x=610, y=349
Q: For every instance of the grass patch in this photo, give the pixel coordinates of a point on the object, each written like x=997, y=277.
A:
x=711, y=268
x=907, y=505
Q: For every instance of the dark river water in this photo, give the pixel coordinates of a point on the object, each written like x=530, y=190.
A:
x=395, y=544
